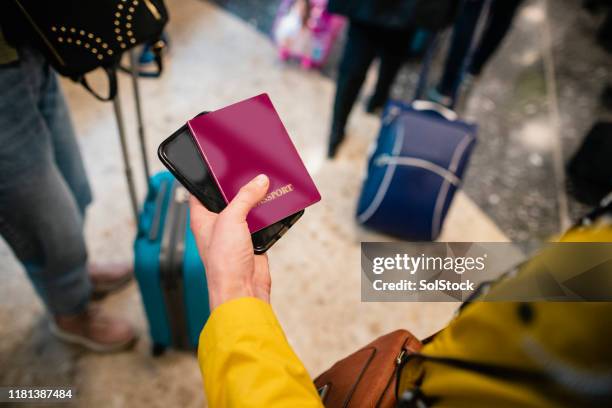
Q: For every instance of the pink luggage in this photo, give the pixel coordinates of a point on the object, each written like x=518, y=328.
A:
x=305, y=30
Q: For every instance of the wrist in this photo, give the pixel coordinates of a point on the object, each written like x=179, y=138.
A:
x=223, y=294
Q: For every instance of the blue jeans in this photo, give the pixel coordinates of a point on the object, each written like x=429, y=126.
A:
x=44, y=190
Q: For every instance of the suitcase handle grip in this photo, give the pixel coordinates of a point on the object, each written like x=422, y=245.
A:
x=443, y=111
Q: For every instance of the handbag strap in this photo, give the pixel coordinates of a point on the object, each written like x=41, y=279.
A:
x=414, y=397
x=555, y=377
x=111, y=74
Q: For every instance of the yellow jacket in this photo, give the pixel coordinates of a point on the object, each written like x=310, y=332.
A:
x=246, y=361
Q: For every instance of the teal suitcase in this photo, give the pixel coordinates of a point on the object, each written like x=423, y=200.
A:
x=168, y=268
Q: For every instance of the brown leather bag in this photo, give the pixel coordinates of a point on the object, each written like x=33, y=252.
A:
x=367, y=377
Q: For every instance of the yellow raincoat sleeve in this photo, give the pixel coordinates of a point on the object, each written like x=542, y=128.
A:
x=246, y=361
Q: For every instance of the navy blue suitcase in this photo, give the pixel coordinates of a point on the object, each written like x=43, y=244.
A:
x=417, y=165
x=168, y=268
x=413, y=173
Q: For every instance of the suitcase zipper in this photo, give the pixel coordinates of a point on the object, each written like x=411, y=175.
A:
x=446, y=174
x=400, y=357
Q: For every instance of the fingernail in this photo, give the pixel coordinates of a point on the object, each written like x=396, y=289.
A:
x=261, y=180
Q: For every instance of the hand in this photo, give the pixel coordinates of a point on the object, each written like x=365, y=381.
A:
x=225, y=246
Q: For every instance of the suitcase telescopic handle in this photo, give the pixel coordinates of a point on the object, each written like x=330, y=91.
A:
x=141, y=136
x=422, y=105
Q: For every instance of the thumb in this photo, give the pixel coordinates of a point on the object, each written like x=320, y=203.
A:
x=248, y=196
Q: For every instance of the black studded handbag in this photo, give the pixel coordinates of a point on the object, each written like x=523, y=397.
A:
x=78, y=36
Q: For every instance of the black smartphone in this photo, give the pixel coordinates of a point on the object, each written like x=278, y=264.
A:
x=180, y=155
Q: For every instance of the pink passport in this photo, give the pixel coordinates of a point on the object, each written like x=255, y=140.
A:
x=245, y=139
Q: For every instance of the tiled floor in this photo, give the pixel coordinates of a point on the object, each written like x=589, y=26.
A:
x=218, y=59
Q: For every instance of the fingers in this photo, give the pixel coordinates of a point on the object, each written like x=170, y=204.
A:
x=248, y=196
x=202, y=220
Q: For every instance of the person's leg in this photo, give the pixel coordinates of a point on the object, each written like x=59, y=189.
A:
x=41, y=220
x=39, y=216
x=498, y=24
x=359, y=52
x=395, y=47
x=66, y=151
x=105, y=277
x=463, y=33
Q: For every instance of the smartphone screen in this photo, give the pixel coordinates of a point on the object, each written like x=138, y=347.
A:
x=180, y=155
x=190, y=169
